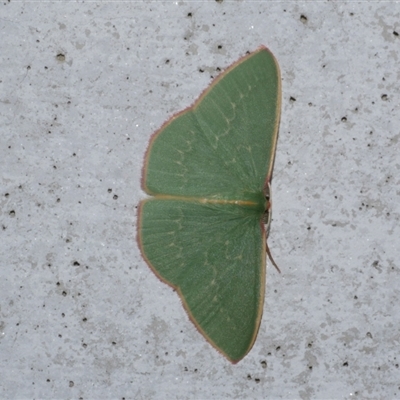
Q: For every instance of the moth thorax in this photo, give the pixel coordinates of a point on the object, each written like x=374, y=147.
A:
x=268, y=208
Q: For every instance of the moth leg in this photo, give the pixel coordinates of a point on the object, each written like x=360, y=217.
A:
x=267, y=221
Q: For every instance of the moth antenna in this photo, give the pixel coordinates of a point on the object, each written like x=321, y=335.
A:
x=270, y=257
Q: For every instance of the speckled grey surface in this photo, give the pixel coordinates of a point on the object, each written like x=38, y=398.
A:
x=82, y=88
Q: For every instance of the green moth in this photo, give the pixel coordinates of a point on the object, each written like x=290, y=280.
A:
x=208, y=169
